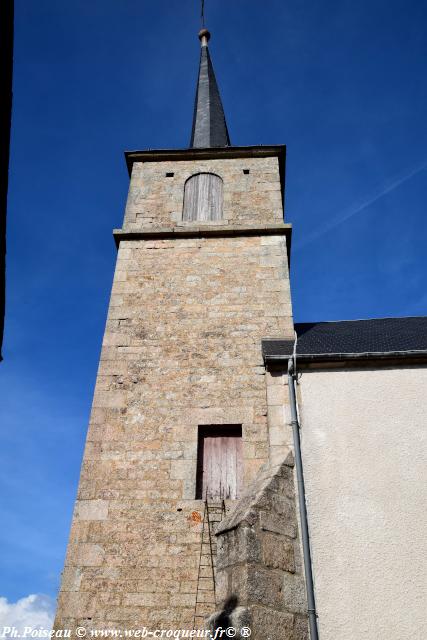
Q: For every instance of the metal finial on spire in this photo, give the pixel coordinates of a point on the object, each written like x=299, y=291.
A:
x=204, y=37
x=204, y=34
x=209, y=125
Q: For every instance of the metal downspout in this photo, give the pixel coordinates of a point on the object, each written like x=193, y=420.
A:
x=312, y=617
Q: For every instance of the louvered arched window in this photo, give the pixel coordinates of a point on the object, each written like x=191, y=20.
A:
x=203, y=198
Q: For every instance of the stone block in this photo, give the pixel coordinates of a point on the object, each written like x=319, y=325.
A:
x=180, y=469
x=283, y=503
x=271, y=261
x=183, y=600
x=280, y=435
x=294, y=594
x=238, y=582
x=146, y=599
x=109, y=399
x=278, y=524
x=264, y=587
x=278, y=552
x=238, y=546
x=270, y=624
x=71, y=578
x=222, y=584
x=85, y=554
x=301, y=629
x=276, y=395
x=91, y=510
x=77, y=604
x=276, y=416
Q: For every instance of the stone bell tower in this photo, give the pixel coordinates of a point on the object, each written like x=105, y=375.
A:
x=180, y=407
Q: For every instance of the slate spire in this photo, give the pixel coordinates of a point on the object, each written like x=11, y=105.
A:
x=209, y=126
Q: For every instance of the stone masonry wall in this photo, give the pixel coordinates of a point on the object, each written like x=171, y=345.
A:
x=259, y=559
x=156, y=201
x=182, y=348
x=279, y=416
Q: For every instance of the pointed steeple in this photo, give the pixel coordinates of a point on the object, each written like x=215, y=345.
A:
x=209, y=126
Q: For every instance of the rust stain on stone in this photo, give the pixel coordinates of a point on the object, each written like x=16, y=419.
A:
x=194, y=518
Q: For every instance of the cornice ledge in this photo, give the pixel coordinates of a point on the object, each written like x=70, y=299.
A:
x=218, y=231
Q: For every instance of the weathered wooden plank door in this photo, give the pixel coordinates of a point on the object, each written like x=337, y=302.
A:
x=220, y=463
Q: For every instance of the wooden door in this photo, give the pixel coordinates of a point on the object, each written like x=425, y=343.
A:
x=220, y=462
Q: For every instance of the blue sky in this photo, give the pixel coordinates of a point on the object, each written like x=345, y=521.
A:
x=341, y=83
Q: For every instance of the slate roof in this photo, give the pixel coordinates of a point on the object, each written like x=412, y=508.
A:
x=353, y=339
x=209, y=125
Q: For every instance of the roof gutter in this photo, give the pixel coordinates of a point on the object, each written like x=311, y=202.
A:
x=306, y=358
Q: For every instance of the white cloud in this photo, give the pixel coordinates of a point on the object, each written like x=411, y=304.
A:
x=35, y=610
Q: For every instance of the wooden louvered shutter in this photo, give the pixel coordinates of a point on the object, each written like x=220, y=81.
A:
x=203, y=195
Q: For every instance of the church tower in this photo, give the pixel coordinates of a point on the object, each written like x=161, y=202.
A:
x=184, y=411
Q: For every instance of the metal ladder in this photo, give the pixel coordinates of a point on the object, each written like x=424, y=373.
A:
x=206, y=588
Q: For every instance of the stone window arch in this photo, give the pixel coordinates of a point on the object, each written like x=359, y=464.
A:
x=203, y=195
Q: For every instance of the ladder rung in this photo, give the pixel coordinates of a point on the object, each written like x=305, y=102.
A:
x=213, y=514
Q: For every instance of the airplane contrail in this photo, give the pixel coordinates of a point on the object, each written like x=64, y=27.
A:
x=396, y=182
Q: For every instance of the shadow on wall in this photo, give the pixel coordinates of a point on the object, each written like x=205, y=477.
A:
x=230, y=616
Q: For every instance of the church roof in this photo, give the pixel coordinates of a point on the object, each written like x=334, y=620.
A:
x=209, y=125
x=375, y=338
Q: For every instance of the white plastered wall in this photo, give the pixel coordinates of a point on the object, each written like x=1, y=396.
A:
x=365, y=460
